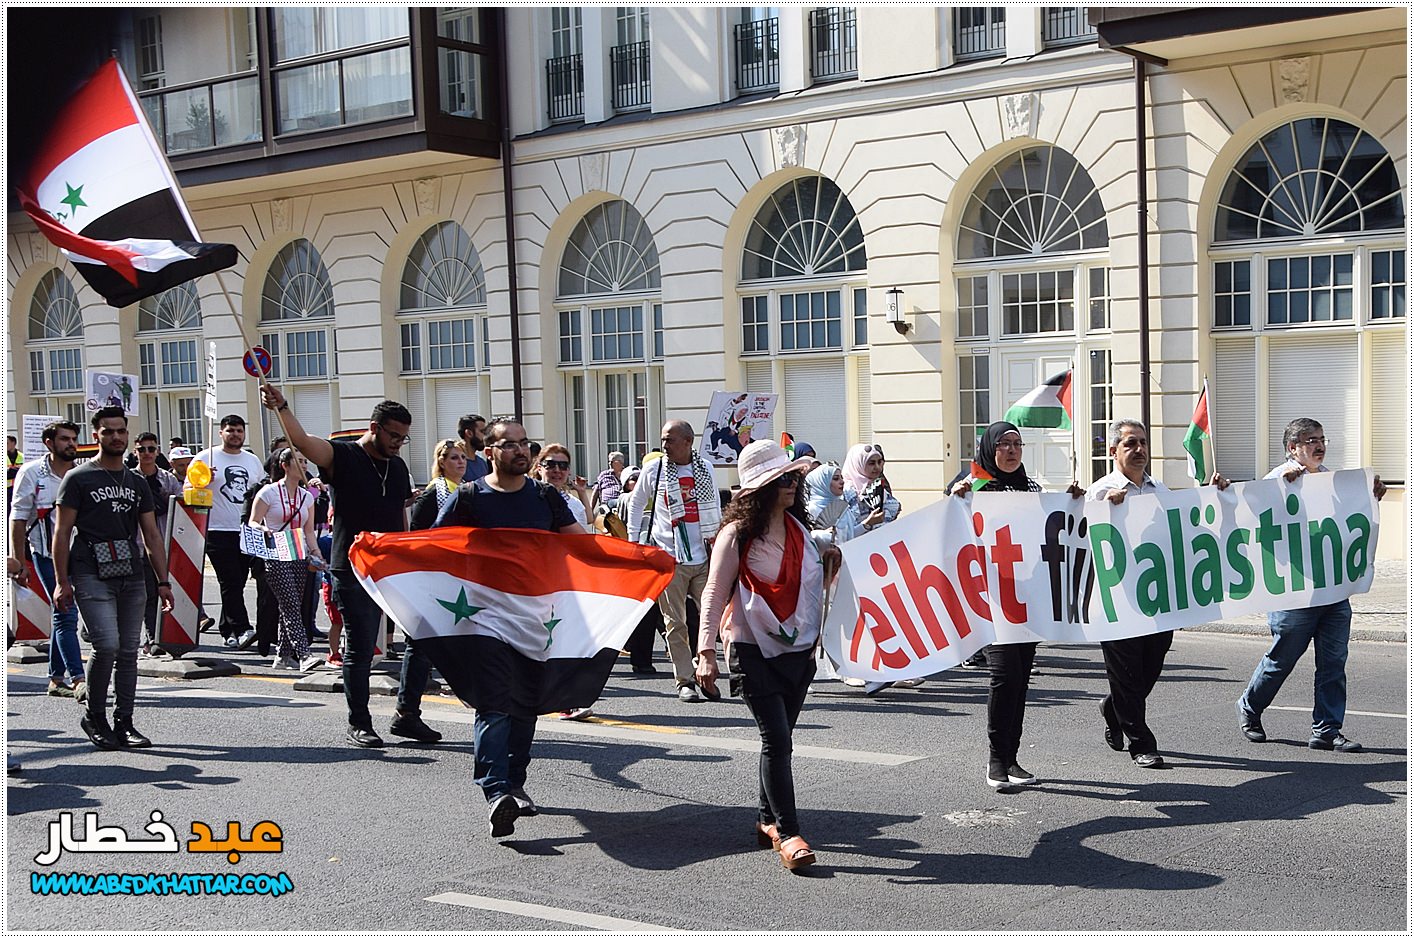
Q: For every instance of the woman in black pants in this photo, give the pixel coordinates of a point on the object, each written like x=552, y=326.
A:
x=999, y=456
x=764, y=591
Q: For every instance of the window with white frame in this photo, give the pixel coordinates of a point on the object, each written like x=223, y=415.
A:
x=55, y=348
x=1032, y=284
x=610, y=319
x=297, y=329
x=804, y=311
x=1308, y=259
x=170, y=363
x=444, y=338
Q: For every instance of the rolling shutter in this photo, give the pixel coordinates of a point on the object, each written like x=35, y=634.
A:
x=758, y=377
x=418, y=453
x=815, y=406
x=1389, y=406
x=311, y=403
x=454, y=398
x=1234, y=408
x=1316, y=377
x=865, y=384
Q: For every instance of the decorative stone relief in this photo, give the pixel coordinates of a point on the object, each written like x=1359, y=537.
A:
x=427, y=193
x=38, y=246
x=280, y=214
x=790, y=145
x=1295, y=78
x=1020, y=113
x=594, y=170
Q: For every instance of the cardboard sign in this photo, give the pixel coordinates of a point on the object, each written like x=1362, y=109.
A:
x=734, y=419
x=111, y=389
x=30, y=444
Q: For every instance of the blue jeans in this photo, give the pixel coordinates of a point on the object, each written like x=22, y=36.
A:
x=502, y=745
x=362, y=620
x=64, y=653
x=1292, y=631
x=113, y=610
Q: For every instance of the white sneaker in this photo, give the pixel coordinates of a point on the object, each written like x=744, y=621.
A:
x=578, y=713
x=911, y=682
x=284, y=664
x=853, y=681
x=309, y=662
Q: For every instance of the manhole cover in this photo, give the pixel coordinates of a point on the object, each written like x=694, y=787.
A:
x=986, y=817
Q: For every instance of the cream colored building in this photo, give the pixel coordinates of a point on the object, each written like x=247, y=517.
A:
x=712, y=198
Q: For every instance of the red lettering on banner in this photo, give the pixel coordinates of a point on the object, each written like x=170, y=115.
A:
x=974, y=585
x=880, y=631
x=1006, y=554
x=919, y=585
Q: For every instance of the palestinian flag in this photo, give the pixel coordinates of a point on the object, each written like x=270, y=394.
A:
x=788, y=444
x=100, y=188
x=517, y=621
x=1047, y=406
x=980, y=476
x=1199, y=429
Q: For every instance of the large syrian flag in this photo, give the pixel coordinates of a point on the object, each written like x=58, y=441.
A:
x=1047, y=406
x=99, y=188
x=505, y=612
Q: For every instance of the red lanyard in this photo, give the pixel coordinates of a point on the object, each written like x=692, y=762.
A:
x=291, y=507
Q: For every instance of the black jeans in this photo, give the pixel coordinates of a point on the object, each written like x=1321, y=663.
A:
x=1006, y=699
x=267, y=611
x=223, y=549
x=151, y=624
x=1133, y=666
x=362, y=620
x=774, y=690
x=412, y=681
x=641, y=642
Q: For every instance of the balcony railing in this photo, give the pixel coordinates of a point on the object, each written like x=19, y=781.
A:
x=564, y=87
x=629, y=66
x=834, y=43
x=344, y=88
x=202, y=115
x=1065, y=26
x=758, y=57
x=979, y=32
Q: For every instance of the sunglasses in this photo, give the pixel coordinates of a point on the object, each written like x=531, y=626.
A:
x=788, y=480
x=147, y=449
x=555, y=463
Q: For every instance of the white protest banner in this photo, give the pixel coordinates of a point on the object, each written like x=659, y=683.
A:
x=734, y=419
x=1002, y=567
x=110, y=389
x=32, y=429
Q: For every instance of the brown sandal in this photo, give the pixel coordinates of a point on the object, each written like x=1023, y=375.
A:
x=796, y=856
x=766, y=836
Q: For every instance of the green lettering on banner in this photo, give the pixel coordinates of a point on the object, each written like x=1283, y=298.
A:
x=1237, y=560
x=1326, y=532
x=1180, y=576
x=1267, y=536
x=1109, y=563
x=1294, y=547
x=1354, y=569
x=1152, y=590
x=1207, y=571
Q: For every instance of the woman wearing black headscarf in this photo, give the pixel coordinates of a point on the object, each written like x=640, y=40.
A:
x=999, y=458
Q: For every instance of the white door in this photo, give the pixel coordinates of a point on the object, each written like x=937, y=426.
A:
x=1049, y=453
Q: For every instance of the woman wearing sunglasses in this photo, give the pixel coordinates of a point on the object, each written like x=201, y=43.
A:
x=448, y=470
x=554, y=470
x=765, y=587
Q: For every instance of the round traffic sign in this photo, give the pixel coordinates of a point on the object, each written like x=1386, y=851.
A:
x=256, y=362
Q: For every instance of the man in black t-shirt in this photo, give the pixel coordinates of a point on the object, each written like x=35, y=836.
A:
x=371, y=486
x=505, y=498
x=107, y=504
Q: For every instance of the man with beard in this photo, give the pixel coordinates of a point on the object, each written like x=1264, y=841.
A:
x=507, y=682
x=471, y=430
x=371, y=486
x=233, y=470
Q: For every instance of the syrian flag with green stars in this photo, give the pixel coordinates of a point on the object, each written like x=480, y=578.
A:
x=1047, y=406
x=100, y=189
x=516, y=620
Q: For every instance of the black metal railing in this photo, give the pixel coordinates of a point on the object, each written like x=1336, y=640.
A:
x=200, y=115
x=1065, y=26
x=564, y=86
x=834, y=43
x=979, y=32
x=758, y=55
x=629, y=67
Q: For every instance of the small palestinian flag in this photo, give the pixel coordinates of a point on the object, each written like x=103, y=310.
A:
x=788, y=444
x=100, y=188
x=980, y=476
x=1199, y=429
x=1047, y=406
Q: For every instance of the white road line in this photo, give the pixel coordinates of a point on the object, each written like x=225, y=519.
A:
x=1358, y=713
x=547, y=913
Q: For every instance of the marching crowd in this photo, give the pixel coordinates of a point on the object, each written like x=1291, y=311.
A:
x=752, y=567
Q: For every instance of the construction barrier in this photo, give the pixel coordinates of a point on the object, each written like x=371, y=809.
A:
x=186, y=558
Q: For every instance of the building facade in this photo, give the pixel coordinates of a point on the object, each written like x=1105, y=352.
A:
x=708, y=198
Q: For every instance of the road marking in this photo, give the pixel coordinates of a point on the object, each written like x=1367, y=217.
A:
x=547, y=913
x=1358, y=713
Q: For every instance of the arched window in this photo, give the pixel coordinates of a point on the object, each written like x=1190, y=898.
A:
x=1032, y=281
x=804, y=313
x=296, y=316
x=169, y=361
x=445, y=345
x=1308, y=298
x=610, y=335
x=56, y=348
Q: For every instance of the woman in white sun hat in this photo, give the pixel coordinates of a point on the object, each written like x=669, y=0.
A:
x=765, y=587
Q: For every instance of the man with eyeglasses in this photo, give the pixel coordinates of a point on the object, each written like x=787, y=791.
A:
x=233, y=470
x=1294, y=629
x=370, y=485
x=504, y=678
x=675, y=506
x=163, y=485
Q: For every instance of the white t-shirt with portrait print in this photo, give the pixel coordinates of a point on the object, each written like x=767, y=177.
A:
x=231, y=475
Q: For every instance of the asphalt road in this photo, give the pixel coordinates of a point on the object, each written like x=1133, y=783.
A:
x=647, y=813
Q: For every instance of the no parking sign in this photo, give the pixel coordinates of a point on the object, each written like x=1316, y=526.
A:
x=257, y=362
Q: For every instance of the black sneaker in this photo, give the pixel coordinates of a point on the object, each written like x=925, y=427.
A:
x=1019, y=776
x=504, y=812
x=364, y=738
x=127, y=735
x=412, y=727
x=1337, y=742
x=526, y=807
x=1251, y=725
x=1114, y=734
x=997, y=777
x=99, y=733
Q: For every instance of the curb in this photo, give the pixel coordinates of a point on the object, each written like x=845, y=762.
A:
x=1357, y=634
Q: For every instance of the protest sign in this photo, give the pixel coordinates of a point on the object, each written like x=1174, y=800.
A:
x=734, y=419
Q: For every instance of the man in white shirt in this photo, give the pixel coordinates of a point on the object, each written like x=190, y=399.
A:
x=1294, y=629
x=675, y=506
x=233, y=470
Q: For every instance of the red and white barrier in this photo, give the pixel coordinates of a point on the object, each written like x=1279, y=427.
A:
x=186, y=556
x=34, y=610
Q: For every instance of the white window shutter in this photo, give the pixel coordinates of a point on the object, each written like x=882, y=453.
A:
x=865, y=384
x=1233, y=386
x=418, y=453
x=1389, y=408
x=311, y=403
x=758, y=377
x=815, y=406
x=1315, y=376
x=453, y=399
